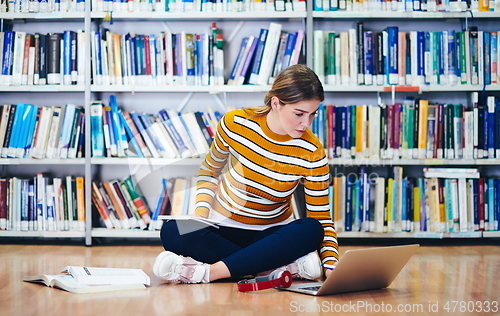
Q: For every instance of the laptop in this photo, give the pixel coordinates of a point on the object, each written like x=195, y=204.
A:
x=361, y=269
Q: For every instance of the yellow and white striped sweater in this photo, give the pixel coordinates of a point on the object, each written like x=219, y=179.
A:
x=262, y=170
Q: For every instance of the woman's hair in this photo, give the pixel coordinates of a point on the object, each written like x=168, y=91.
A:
x=294, y=84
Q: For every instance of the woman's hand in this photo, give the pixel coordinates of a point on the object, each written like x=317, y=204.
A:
x=330, y=269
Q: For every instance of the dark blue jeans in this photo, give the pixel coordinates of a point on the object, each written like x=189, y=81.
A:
x=245, y=252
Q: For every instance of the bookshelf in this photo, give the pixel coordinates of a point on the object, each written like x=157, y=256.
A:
x=247, y=23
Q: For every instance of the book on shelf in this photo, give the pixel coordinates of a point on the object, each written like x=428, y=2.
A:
x=83, y=280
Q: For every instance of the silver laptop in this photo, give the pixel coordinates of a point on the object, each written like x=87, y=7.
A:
x=361, y=269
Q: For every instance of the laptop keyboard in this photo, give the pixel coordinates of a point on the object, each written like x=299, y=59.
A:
x=312, y=288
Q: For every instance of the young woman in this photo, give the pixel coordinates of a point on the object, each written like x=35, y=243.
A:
x=246, y=182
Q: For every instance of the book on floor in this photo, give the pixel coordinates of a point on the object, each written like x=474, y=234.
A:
x=93, y=279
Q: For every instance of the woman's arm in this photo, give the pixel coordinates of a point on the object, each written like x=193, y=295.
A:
x=211, y=169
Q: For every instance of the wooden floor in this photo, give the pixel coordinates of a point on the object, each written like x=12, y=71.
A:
x=462, y=278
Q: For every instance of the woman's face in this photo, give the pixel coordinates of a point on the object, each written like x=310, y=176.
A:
x=292, y=119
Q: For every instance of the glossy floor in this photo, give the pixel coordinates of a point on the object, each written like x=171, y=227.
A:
x=449, y=280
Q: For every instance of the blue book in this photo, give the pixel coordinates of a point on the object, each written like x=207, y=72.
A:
x=356, y=205
x=182, y=148
x=450, y=41
x=163, y=195
x=404, y=205
x=441, y=57
x=363, y=191
x=16, y=130
x=497, y=131
x=148, y=121
x=8, y=51
x=290, y=46
x=65, y=136
x=368, y=43
x=22, y=134
x=350, y=181
x=152, y=49
x=32, y=216
x=31, y=127
x=344, y=128
x=138, y=123
x=475, y=188
x=97, y=61
x=25, y=204
x=490, y=218
x=243, y=75
x=130, y=41
x=496, y=222
x=457, y=61
x=130, y=136
x=423, y=221
x=66, y=57
x=97, y=129
x=317, y=5
x=420, y=58
x=238, y=61
x=254, y=74
x=140, y=61
x=118, y=129
x=113, y=146
x=393, y=45
x=487, y=57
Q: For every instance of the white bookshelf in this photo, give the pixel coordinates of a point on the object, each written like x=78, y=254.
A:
x=263, y=18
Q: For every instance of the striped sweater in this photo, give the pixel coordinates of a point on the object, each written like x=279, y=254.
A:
x=262, y=171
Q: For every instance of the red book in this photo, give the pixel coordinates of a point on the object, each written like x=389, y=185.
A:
x=147, y=57
x=4, y=183
x=480, y=206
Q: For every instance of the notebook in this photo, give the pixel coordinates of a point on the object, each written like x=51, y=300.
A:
x=361, y=269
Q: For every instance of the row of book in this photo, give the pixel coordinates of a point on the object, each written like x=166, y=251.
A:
x=412, y=129
x=198, y=6
x=261, y=58
x=32, y=131
x=42, y=203
x=406, y=5
x=39, y=59
x=444, y=200
x=416, y=58
x=158, y=59
x=46, y=6
x=166, y=134
x=119, y=204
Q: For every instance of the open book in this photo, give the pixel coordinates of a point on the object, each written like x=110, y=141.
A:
x=91, y=280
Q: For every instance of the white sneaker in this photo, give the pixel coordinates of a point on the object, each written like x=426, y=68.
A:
x=307, y=267
x=172, y=267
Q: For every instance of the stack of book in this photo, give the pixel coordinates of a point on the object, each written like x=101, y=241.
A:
x=158, y=59
x=261, y=58
x=120, y=205
x=167, y=134
x=42, y=59
x=31, y=131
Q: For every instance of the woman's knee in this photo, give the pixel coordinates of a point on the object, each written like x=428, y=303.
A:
x=312, y=229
